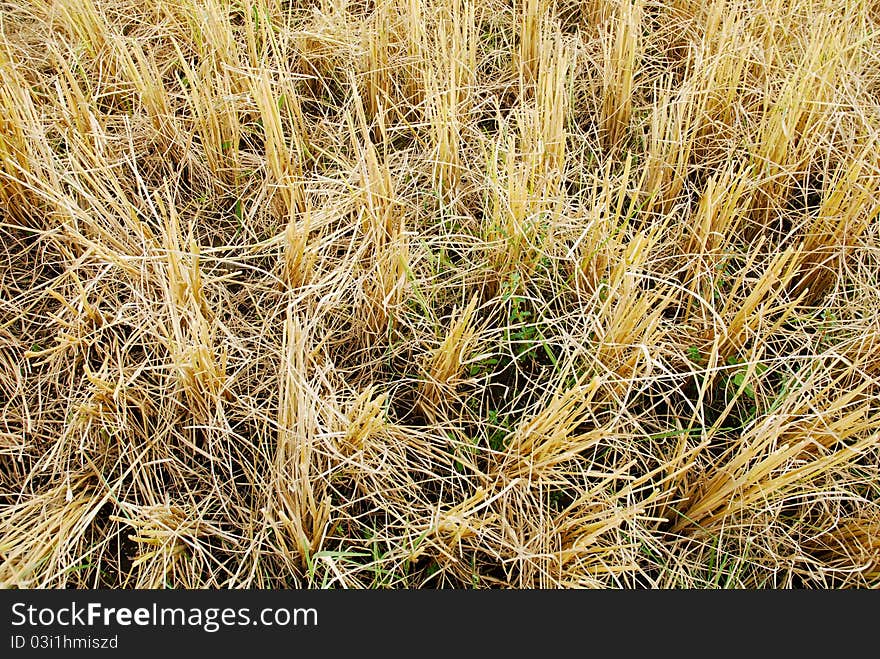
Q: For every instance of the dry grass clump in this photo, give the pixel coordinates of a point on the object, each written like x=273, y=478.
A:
x=437, y=293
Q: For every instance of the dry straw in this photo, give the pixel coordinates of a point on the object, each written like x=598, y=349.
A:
x=439, y=293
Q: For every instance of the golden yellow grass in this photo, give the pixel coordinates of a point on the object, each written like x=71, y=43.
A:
x=439, y=293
